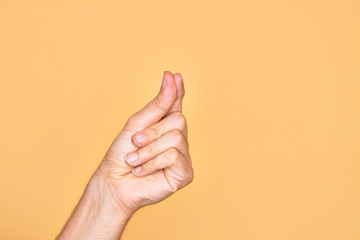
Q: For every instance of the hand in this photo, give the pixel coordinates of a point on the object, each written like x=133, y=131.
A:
x=149, y=160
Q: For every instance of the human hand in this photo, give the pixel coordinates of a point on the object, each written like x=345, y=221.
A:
x=149, y=160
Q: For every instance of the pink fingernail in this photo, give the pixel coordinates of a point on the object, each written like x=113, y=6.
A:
x=140, y=138
x=136, y=170
x=131, y=157
x=163, y=83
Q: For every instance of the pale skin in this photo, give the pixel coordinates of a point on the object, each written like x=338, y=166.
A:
x=147, y=162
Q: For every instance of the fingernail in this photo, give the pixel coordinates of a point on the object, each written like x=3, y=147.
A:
x=140, y=138
x=163, y=83
x=136, y=170
x=164, y=79
x=131, y=157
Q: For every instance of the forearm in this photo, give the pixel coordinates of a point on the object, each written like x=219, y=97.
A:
x=97, y=215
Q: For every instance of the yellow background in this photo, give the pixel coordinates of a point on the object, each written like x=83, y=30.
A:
x=273, y=107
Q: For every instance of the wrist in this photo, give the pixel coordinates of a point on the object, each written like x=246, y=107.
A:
x=117, y=187
x=104, y=199
x=97, y=215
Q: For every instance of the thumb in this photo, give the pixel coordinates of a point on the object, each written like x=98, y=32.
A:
x=157, y=108
x=177, y=107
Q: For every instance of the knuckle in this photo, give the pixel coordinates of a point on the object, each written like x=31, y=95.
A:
x=173, y=154
x=132, y=122
x=157, y=102
x=150, y=165
x=152, y=131
x=149, y=149
x=180, y=118
x=177, y=136
x=132, y=119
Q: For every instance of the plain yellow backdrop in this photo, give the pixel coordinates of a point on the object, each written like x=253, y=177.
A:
x=272, y=102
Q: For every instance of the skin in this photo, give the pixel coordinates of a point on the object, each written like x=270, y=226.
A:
x=147, y=162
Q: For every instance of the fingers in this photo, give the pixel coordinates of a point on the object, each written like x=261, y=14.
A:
x=177, y=169
x=173, y=121
x=177, y=107
x=171, y=139
x=157, y=108
x=164, y=160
